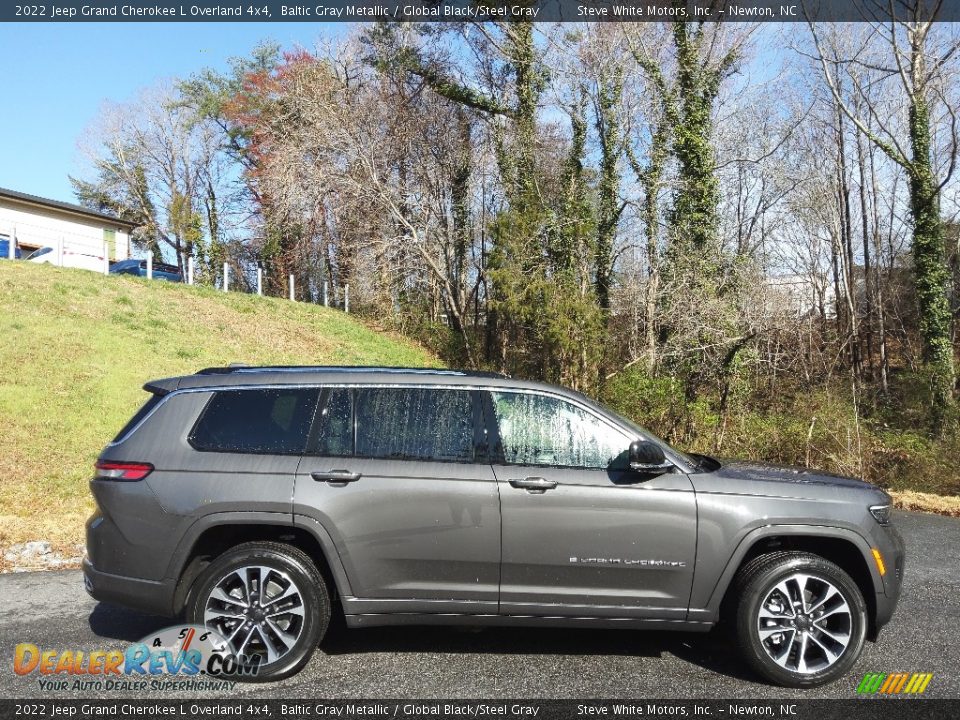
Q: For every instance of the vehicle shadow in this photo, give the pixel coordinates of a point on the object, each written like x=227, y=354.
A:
x=714, y=651
x=117, y=623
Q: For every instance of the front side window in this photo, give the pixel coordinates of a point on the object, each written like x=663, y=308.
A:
x=414, y=424
x=256, y=421
x=542, y=430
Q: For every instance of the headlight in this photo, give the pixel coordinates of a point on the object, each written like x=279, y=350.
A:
x=881, y=513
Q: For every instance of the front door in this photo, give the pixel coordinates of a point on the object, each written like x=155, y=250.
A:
x=583, y=535
x=395, y=476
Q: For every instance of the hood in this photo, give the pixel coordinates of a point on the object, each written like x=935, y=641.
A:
x=742, y=470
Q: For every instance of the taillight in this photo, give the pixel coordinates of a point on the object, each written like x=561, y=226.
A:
x=107, y=470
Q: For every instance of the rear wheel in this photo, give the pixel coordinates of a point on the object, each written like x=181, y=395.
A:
x=801, y=620
x=268, y=601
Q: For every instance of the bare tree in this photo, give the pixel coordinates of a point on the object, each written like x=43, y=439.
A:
x=154, y=164
x=917, y=53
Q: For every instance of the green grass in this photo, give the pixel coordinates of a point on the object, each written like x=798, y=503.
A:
x=76, y=348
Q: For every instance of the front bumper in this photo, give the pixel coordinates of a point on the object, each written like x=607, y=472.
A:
x=149, y=596
x=890, y=544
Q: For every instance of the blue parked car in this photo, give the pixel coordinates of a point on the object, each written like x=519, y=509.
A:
x=161, y=271
x=5, y=249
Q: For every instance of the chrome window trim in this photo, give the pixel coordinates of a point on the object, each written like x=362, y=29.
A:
x=610, y=422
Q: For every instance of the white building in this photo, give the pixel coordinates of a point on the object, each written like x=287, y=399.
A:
x=77, y=234
x=802, y=295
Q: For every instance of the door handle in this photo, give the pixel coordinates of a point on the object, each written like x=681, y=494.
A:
x=335, y=477
x=534, y=484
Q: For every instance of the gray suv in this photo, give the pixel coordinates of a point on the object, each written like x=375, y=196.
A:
x=256, y=501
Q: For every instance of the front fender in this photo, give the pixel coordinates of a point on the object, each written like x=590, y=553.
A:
x=706, y=607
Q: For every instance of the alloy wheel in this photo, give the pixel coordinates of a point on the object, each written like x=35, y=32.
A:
x=805, y=623
x=259, y=610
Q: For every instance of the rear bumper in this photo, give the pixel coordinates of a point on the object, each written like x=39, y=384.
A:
x=148, y=596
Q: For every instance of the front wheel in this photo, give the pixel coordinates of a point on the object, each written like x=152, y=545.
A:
x=801, y=620
x=270, y=604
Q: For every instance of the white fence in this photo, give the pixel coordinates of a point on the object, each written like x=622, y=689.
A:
x=101, y=263
x=191, y=275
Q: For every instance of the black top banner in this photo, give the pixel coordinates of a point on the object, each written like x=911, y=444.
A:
x=737, y=11
x=500, y=709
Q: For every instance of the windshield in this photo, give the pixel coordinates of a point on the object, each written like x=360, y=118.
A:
x=38, y=253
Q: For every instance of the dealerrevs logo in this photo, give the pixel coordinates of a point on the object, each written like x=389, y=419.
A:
x=184, y=651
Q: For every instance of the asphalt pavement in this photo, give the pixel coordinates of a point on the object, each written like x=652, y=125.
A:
x=52, y=611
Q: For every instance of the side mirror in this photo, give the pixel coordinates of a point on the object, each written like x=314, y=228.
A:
x=648, y=457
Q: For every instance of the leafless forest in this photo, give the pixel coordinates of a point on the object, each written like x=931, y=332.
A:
x=743, y=236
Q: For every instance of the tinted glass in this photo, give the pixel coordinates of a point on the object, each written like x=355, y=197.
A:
x=335, y=424
x=149, y=405
x=256, y=421
x=540, y=430
x=414, y=424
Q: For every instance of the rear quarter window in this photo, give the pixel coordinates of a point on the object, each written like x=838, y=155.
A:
x=272, y=422
x=145, y=410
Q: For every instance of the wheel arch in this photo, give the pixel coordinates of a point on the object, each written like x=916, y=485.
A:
x=845, y=548
x=216, y=535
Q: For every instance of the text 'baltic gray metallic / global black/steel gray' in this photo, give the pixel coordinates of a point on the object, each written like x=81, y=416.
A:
x=259, y=500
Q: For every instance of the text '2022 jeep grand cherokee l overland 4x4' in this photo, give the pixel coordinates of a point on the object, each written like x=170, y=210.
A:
x=248, y=498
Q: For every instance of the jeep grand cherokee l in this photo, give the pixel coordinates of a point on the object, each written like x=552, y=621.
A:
x=249, y=499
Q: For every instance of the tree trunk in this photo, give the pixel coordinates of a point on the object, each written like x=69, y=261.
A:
x=930, y=269
x=865, y=226
x=652, y=180
x=608, y=127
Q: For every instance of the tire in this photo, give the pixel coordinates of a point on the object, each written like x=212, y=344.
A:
x=292, y=636
x=814, y=640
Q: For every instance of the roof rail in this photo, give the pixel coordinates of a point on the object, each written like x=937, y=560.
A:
x=240, y=368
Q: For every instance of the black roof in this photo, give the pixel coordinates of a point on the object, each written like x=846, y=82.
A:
x=241, y=368
x=68, y=207
x=244, y=375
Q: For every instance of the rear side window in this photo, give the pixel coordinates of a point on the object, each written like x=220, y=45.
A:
x=272, y=422
x=415, y=424
x=138, y=416
x=335, y=424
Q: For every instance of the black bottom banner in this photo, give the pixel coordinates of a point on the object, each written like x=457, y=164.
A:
x=892, y=708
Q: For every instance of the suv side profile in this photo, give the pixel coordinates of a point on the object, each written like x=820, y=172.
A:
x=256, y=500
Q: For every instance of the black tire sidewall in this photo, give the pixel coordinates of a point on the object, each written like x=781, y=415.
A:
x=754, y=594
x=316, y=603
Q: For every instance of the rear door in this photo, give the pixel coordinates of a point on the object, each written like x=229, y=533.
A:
x=400, y=480
x=583, y=535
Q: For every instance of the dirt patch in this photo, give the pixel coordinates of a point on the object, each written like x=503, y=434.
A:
x=927, y=502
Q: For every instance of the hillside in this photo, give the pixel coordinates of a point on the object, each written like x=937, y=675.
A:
x=77, y=347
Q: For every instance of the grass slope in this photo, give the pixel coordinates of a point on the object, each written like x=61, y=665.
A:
x=76, y=347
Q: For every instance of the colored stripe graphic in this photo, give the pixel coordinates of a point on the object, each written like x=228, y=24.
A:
x=871, y=682
x=894, y=683
x=900, y=683
x=914, y=683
